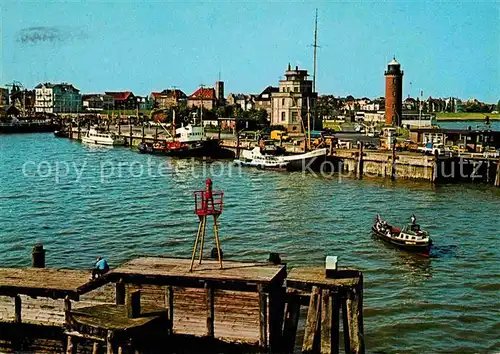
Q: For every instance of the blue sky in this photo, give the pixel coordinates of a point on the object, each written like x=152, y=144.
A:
x=445, y=48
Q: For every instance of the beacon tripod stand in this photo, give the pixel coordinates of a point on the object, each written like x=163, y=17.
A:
x=207, y=203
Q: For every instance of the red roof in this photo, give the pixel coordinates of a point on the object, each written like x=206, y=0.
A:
x=205, y=93
x=156, y=94
x=120, y=96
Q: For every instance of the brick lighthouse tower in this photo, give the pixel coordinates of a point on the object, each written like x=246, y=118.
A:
x=393, y=93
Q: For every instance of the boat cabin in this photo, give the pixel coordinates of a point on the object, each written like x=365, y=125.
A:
x=189, y=133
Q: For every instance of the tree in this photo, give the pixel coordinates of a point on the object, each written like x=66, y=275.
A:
x=498, y=106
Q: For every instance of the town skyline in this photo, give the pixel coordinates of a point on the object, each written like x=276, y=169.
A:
x=71, y=49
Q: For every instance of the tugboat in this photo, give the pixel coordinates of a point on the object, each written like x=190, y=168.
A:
x=189, y=141
x=410, y=238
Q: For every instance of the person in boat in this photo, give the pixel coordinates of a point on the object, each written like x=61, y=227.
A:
x=388, y=233
x=413, y=219
x=101, y=267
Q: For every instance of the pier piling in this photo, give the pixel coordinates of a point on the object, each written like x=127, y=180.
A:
x=38, y=256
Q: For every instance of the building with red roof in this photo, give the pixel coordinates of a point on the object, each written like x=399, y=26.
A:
x=123, y=100
x=203, y=97
x=167, y=98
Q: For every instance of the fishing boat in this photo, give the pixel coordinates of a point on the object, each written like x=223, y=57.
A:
x=293, y=162
x=101, y=137
x=265, y=162
x=189, y=141
x=410, y=238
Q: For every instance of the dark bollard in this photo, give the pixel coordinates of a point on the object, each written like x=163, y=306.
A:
x=38, y=256
x=274, y=258
x=213, y=253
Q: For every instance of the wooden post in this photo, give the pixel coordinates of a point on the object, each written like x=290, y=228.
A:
x=71, y=346
x=262, y=317
x=79, y=129
x=335, y=306
x=311, y=334
x=169, y=303
x=497, y=177
x=70, y=129
x=134, y=303
x=326, y=322
x=345, y=325
x=209, y=293
x=354, y=304
x=359, y=167
x=130, y=132
x=67, y=310
x=110, y=345
x=120, y=292
x=95, y=348
x=276, y=309
x=292, y=312
x=156, y=132
x=393, y=166
x=17, y=309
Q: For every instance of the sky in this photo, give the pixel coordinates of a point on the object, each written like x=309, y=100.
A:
x=446, y=49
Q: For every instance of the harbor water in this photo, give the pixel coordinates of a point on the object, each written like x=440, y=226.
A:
x=83, y=201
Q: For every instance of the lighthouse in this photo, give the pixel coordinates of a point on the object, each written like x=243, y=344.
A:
x=393, y=93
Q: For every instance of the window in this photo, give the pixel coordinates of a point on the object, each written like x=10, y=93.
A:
x=296, y=89
x=394, y=80
x=394, y=93
x=282, y=116
x=282, y=101
x=294, y=117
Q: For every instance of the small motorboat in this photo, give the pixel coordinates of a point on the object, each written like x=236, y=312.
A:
x=410, y=238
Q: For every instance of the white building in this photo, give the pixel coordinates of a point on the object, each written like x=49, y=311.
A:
x=57, y=98
x=292, y=102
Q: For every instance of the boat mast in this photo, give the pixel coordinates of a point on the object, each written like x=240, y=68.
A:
x=308, y=125
x=173, y=124
x=315, y=45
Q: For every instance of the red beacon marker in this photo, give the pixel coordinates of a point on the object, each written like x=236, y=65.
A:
x=207, y=202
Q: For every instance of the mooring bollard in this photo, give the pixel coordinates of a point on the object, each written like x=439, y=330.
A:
x=213, y=253
x=274, y=258
x=38, y=256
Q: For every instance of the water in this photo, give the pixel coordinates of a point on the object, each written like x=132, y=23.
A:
x=494, y=125
x=447, y=303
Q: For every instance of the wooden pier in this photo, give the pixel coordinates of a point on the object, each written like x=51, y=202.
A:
x=240, y=308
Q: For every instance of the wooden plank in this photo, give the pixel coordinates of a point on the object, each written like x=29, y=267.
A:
x=17, y=309
x=326, y=322
x=262, y=317
x=311, y=335
x=54, y=283
x=171, y=269
x=292, y=314
x=209, y=298
x=305, y=278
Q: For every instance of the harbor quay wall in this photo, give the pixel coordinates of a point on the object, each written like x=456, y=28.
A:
x=360, y=163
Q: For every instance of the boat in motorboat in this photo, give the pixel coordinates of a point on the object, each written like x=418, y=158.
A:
x=101, y=137
x=189, y=141
x=265, y=162
x=410, y=238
